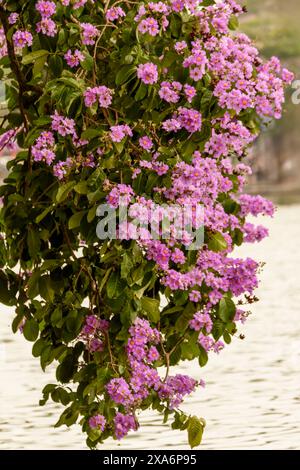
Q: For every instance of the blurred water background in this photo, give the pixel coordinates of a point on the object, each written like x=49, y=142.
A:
x=252, y=397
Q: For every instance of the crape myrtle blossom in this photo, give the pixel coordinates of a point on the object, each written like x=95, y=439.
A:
x=89, y=34
x=148, y=73
x=166, y=146
x=22, y=39
x=8, y=140
x=73, y=59
x=142, y=353
x=45, y=8
x=100, y=94
x=117, y=133
x=61, y=168
x=46, y=25
x=64, y=126
x=97, y=422
x=13, y=18
x=115, y=13
x=93, y=333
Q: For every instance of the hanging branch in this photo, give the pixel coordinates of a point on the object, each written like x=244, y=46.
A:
x=15, y=67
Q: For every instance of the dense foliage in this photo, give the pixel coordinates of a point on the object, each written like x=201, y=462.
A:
x=156, y=102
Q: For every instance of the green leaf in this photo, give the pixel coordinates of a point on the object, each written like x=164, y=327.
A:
x=195, y=431
x=38, y=347
x=126, y=265
x=33, y=242
x=124, y=74
x=63, y=191
x=43, y=214
x=5, y=297
x=189, y=350
x=45, y=289
x=56, y=65
x=226, y=309
x=233, y=22
x=66, y=369
x=91, y=133
x=217, y=242
x=151, y=307
x=88, y=62
x=31, y=330
x=141, y=92
x=175, y=25
x=33, y=56
x=81, y=187
x=112, y=286
x=203, y=357
x=91, y=214
x=75, y=220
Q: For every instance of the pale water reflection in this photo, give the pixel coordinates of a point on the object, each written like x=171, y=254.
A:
x=252, y=398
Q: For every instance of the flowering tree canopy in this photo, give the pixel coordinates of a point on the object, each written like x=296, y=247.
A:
x=152, y=104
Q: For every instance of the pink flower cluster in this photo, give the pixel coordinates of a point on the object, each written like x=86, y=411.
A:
x=13, y=18
x=8, y=140
x=184, y=118
x=255, y=205
x=201, y=320
x=93, y=332
x=254, y=233
x=89, y=34
x=160, y=168
x=100, y=94
x=64, y=126
x=73, y=59
x=175, y=388
x=114, y=13
x=148, y=73
x=22, y=39
x=152, y=17
x=142, y=353
x=123, y=424
x=120, y=195
x=231, y=136
x=146, y=143
x=169, y=91
x=208, y=343
x=117, y=133
x=46, y=26
x=97, y=422
x=42, y=150
x=60, y=169
x=196, y=62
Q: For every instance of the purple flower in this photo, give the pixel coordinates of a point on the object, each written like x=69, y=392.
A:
x=97, y=422
x=47, y=27
x=114, y=13
x=201, y=320
x=102, y=94
x=123, y=424
x=61, y=168
x=89, y=33
x=146, y=143
x=13, y=18
x=119, y=391
x=45, y=8
x=117, y=133
x=64, y=126
x=73, y=59
x=22, y=39
x=148, y=73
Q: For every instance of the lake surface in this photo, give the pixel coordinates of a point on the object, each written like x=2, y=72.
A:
x=252, y=394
